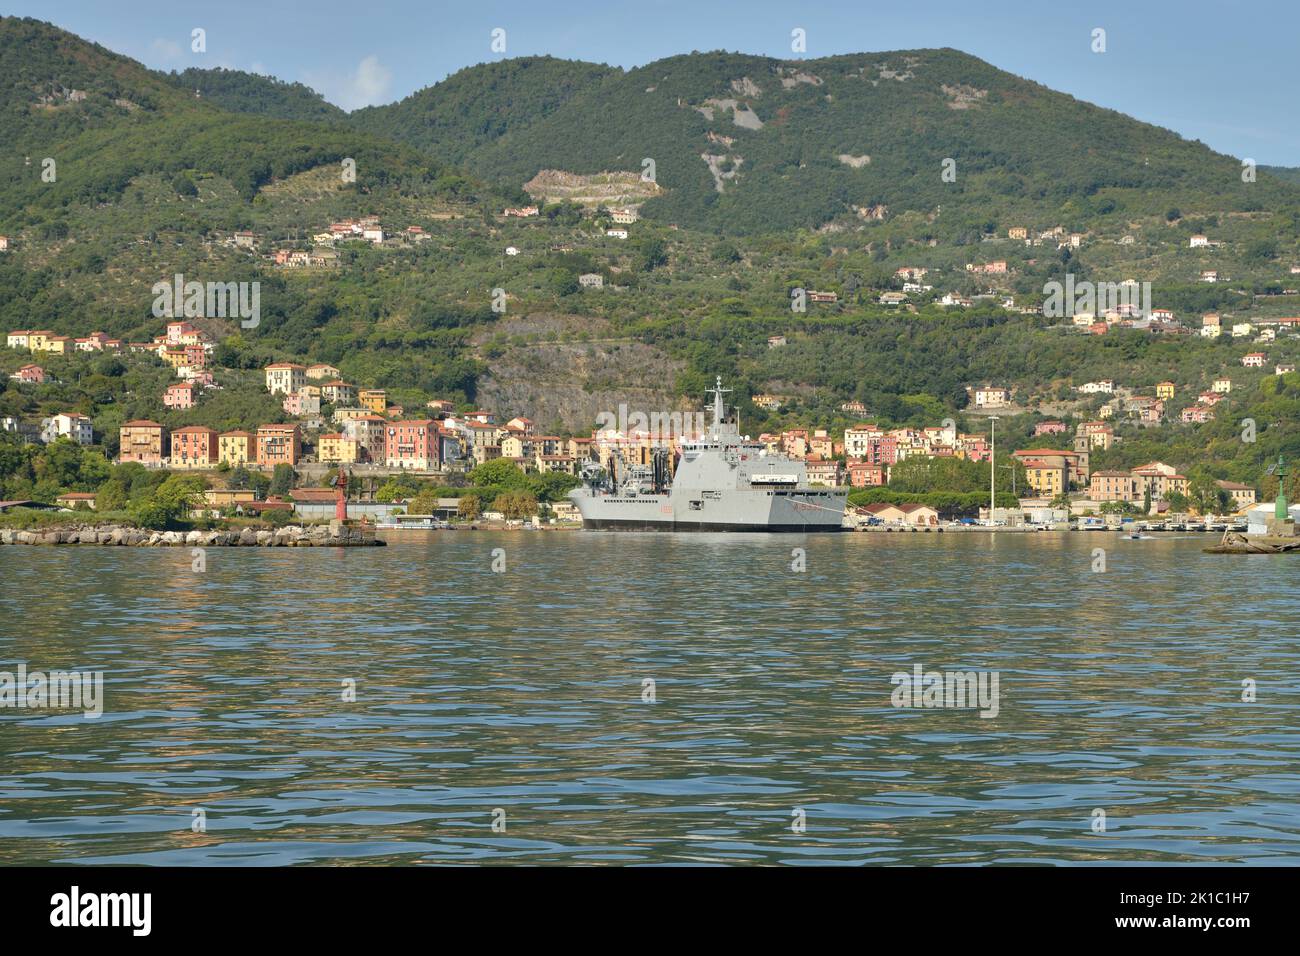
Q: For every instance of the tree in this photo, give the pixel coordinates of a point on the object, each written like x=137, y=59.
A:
x=651, y=254
x=169, y=503
x=425, y=503
x=468, y=507
x=281, y=480
x=395, y=489
x=516, y=505
x=111, y=496
x=500, y=472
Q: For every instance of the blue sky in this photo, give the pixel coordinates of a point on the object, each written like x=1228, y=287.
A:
x=1212, y=71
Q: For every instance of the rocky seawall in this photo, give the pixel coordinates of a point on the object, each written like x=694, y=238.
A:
x=290, y=536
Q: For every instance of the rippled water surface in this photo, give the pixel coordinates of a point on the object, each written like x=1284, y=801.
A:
x=523, y=691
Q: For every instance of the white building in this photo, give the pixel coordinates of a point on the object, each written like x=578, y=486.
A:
x=285, y=378
x=72, y=425
x=1105, y=386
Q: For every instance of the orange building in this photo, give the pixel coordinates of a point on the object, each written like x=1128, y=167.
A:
x=278, y=445
x=373, y=399
x=142, y=441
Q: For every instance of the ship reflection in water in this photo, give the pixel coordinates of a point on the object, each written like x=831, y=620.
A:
x=527, y=691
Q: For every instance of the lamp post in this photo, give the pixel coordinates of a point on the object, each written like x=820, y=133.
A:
x=993, y=464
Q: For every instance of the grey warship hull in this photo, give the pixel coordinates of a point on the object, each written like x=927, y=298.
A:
x=816, y=510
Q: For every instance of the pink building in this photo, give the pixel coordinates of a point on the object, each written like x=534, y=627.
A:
x=180, y=395
x=412, y=444
x=882, y=450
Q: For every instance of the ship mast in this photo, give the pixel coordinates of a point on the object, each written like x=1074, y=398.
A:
x=719, y=409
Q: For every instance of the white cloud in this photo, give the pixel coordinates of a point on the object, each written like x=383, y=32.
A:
x=368, y=85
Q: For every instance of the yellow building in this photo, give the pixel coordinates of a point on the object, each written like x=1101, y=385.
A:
x=37, y=341
x=1165, y=390
x=175, y=357
x=48, y=342
x=373, y=400
x=337, y=448
x=1045, y=478
x=228, y=497
x=516, y=446
x=236, y=448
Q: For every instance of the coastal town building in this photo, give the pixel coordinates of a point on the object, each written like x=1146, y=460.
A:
x=194, y=446
x=77, y=500
x=1242, y=495
x=237, y=448
x=412, y=444
x=322, y=370
x=337, y=448
x=864, y=475
x=1073, y=464
x=71, y=425
x=285, y=378
x=370, y=432
x=990, y=396
x=142, y=441
x=278, y=445
x=180, y=395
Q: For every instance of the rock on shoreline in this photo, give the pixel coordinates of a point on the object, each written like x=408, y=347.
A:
x=289, y=536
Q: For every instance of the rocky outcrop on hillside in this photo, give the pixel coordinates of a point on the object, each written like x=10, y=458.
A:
x=570, y=383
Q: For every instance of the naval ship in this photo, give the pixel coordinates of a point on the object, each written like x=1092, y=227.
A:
x=723, y=482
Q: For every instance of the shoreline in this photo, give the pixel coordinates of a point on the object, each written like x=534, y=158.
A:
x=289, y=536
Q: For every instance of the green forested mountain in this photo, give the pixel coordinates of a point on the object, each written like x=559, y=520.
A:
x=97, y=120
x=1289, y=173
x=751, y=144
x=241, y=92
x=479, y=105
